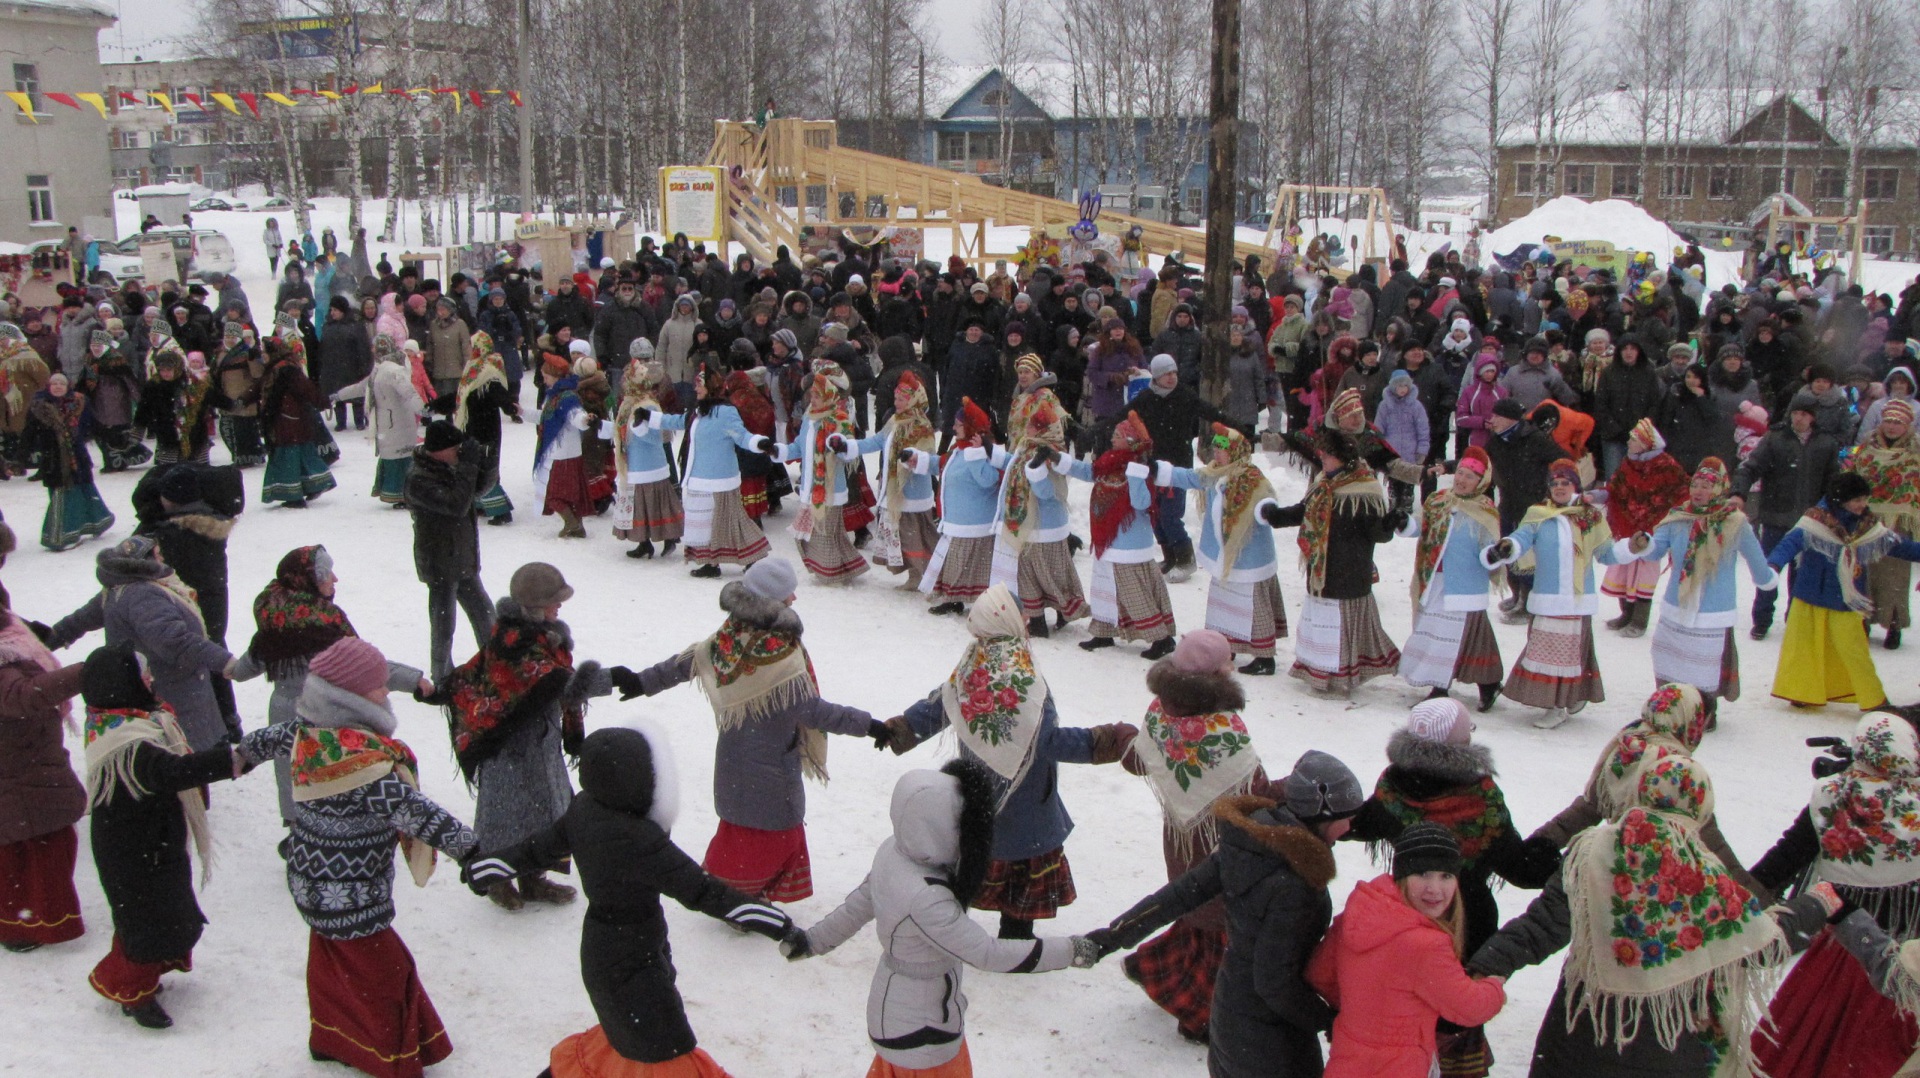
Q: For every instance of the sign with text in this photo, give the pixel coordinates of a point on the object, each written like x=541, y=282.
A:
x=692, y=201
x=1593, y=254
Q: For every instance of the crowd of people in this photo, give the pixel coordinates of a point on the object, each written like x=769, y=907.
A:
x=1513, y=424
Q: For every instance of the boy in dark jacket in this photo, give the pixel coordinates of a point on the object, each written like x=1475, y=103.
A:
x=1273, y=867
x=446, y=542
x=1792, y=466
x=1175, y=415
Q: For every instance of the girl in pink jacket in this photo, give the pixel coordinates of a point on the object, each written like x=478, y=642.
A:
x=1478, y=397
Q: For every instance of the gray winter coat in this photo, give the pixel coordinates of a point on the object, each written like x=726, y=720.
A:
x=757, y=764
x=74, y=336
x=1249, y=387
x=1530, y=385
x=395, y=406
x=134, y=608
x=916, y=1011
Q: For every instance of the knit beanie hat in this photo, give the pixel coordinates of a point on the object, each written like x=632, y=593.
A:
x=1425, y=847
x=1162, y=364
x=1896, y=408
x=771, y=578
x=1203, y=651
x=353, y=665
x=641, y=348
x=1508, y=408
x=1349, y=410
x=181, y=485
x=538, y=584
x=1321, y=788
x=1443, y=720
x=1564, y=469
x=1646, y=434
x=579, y=348
x=442, y=434
x=1030, y=364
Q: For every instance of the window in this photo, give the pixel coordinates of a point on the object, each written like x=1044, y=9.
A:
x=1877, y=239
x=1830, y=184
x=993, y=99
x=1776, y=180
x=953, y=145
x=1676, y=181
x=1196, y=199
x=1720, y=181
x=26, y=80
x=1880, y=183
x=1581, y=180
x=1626, y=181
x=1532, y=179
x=40, y=196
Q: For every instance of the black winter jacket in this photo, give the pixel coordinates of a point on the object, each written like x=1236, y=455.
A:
x=1351, y=539
x=1792, y=474
x=1520, y=457
x=1695, y=428
x=140, y=847
x=615, y=327
x=1625, y=395
x=1175, y=420
x=446, y=541
x=570, y=309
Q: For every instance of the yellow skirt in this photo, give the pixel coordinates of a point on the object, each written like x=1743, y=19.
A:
x=1825, y=658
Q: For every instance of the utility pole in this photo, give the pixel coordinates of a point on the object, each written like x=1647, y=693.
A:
x=526, y=106
x=1223, y=154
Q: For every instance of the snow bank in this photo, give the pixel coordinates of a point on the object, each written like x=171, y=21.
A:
x=1616, y=221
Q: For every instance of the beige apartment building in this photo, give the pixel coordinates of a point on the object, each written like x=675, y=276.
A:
x=54, y=173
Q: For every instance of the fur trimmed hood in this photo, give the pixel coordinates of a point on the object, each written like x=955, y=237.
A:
x=1454, y=764
x=1301, y=849
x=766, y=614
x=208, y=524
x=1182, y=693
x=507, y=608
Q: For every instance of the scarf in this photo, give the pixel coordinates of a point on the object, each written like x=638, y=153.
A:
x=1893, y=473
x=1036, y=419
x=484, y=368
x=756, y=410
x=906, y=429
x=636, y=392
x=1240, y=485
x=1868, y=818
x=1642, y=491
x=1592, y=366
x=112, y=738
x=1671, y=723
x=1711, y=534
x=828, y=414
x=292, y=620
x=523, y=669
x=1661, y=932
x=18, y=644
x=1589, y=530
x=1202, y=758
x=1436, y=524
x=747, y=673
x=995, y=700
x=562, y=401
x=1475, y=814
x=1850, y=551
x=62, y=416
x=1351, y=490
x=1110, y=506
x=327, y=761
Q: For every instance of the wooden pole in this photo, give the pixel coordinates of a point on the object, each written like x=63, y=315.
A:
x=1223, y=158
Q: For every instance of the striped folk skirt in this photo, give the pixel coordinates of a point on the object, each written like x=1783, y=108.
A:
x=1558, y=668
x=1044, y=580
x=1451, y=645
x=1251, y=616
x=1703, y=658
x=960, y=570
x=828, y=554
x=1341, y=644
x=909, y=546
x=73, y=513
x=294, y=474
x=719, y=531
x=1635, y=581
x=390, y=480
x=657, y=514
x=1130, y=601
x=770, y=865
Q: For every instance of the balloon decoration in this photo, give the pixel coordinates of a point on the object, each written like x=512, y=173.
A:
x=232, y=102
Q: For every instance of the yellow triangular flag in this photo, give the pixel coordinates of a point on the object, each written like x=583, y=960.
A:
x=280, y=99
x=330, y=95
x=376, y=88
x=226, y=102
x=25, y=103
x=99, y=103
x=165, y=101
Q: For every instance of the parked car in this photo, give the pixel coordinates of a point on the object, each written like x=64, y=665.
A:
x=279, y=202
x=501, y=204
x=115, y=266
x=196, y=251
x=206, y=204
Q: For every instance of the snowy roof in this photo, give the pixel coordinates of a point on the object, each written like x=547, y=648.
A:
x=1049, y=85
x=1707, y=116
x=101, y=8
x=162, y=190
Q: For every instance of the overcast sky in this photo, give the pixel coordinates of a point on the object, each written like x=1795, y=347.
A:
x=143, y=22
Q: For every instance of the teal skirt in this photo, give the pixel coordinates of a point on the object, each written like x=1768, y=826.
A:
x=390, y=480
x=495, y=503
x=294, y=474
x=73, y=513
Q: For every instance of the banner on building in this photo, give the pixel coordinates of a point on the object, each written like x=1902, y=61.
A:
x=692, y=200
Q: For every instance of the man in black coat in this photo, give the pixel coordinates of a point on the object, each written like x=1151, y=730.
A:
x=973, y=372
x=1272, y=870
x=1793, y=465
x=189, y=510
x=446, y=540
x=1392, y=300
x=942, y=324
x=1520, y=453
x=1175, y=415
x=569, y=308
x=619, y=322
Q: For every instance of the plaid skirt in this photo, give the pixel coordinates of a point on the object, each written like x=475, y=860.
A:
x=1558, y=667
x=1130, y=602
x=830, y=556
x=918, y=535
x=1251, y=616
x=960, y=569
x=719, y=532
x=1341, y=644
x=1047, y=582
x=657, y=514
x=1451, y=645
x=1031, y=890
x=769, y=865
x=1177, y=969
x=568, y=489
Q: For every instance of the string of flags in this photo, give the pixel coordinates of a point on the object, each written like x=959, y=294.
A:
x=232, y=102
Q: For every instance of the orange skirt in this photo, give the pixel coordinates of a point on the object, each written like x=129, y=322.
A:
x=588, y=1055
x=960, y=1066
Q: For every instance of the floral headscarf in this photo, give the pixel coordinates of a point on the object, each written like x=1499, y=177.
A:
x=1712, y=531
x=1868, y=818
x=996, y=697
x=292, y=620
x=1240, y=485
x=484, y=368
x=1670, y=724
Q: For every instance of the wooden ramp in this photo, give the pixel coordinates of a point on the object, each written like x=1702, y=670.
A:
x=866, y=190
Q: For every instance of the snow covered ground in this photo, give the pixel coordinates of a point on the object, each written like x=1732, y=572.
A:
x=507, y=985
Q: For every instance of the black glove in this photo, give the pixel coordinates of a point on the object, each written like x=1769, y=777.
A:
x=42, y=630
x=479, y=872
x=794, y=944
x=905, y=456
x=1397, y=519
x=1103, y=939
x=836, y=443
x=641, y=415
x=760, y=917
x=1042, y=456
x=882, y=737
x=772, y=451
x=627, y=682
x=1271, y=515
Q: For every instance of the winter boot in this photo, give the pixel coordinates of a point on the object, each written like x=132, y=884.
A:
x=643, y=549
x=297, y=503
x=1893, y=640
x=1637, y=622
x=570, y=526
x=1182, y=570
x=1073, y=544
x=1013, y=928
x=20, y=946
x=504, y=518
x=538, y=888
x=1551, y=719
x=1712, y=707
x=861, y=537
x=1439, y=693
x=706, y=572
x=1626, y=615
x=1260, y=667
x=1059, y=620
x=1037, y=626
x=1759, y=632
x=148, y=1013
x=1096, y=643
x=940, y=609
x=1517, y=613
x=502, y=894
x=1488, y=694
x=666, y=547
x=1160, y=649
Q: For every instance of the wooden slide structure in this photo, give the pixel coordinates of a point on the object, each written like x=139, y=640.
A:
x=792, y=155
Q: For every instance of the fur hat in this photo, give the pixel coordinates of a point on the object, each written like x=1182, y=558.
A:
x=1847, y=486
x=353, y=665
x=442, y=434
x=1425, y=847
x=975, y=419
x=1185, y=692
x=181, y=485
x=538, y=584
x=1321, y=788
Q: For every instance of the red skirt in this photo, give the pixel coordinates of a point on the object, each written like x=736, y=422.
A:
x=1029, y=890
x=770, y=865
x=589, y=1055
x=567, y=488
x=1828, y=1021
x=37, y=900
x=368, y=1008
x=753, y=496
x=127, y=982
x=1177, y=970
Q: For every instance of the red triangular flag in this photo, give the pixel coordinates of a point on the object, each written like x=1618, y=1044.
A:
x=402, y=93
x=479, y=100
x=354, y=89
x=297, y=93
x=64, y=99
x=253, y=105
x=514, y=96
x=130, y=98
x=197, y=103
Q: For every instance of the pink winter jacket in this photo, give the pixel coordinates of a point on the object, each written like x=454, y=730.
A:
x=1477, y=399
x=1390, y=972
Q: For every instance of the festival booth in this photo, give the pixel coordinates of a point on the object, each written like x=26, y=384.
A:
x=167, y=201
